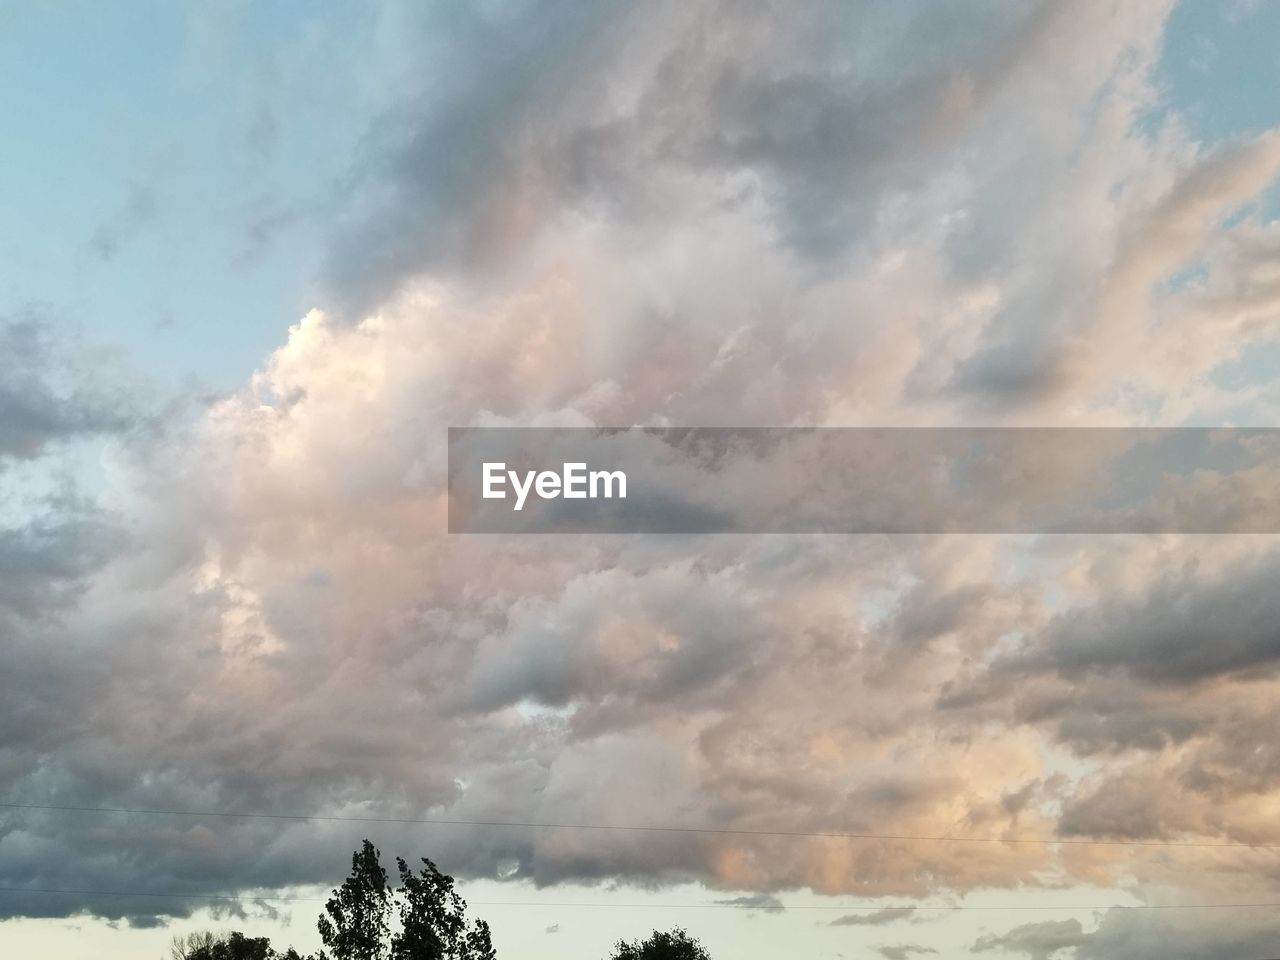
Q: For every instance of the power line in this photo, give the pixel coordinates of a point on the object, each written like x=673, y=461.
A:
x=715, y=905
x=638, y=828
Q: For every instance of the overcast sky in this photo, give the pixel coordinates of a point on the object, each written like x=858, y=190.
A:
x=258, y=257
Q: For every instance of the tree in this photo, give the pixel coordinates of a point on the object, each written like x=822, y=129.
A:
x=673, y=945
x=193, y=946
x=356, y=923
x=433, y=923
x=233, y=946
x=236, y=946
x=356, y=926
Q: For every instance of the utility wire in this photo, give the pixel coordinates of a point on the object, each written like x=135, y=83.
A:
x=722, y=905
x=636, y=828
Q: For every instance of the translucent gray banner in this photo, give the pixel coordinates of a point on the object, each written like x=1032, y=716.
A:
x=864, y=480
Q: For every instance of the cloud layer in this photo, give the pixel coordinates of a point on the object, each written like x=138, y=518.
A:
x=705, y=213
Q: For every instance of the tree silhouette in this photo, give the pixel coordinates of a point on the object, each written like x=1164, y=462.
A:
x=192, y=946
x=356, y=923
x=233, y=946
x=355, y=927
x=433, y=923
x=663, y=945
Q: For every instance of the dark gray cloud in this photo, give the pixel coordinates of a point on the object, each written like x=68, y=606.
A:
x=1167, y=687
x=1144, y=935
x=1039, y=941
x=1135, y=807
x=1184, y=629
x=429, y=179
x=508, y=132
x=50, y=392
x=834, y=144
x=54, y=544
x=1125, y=671
x=44, y=563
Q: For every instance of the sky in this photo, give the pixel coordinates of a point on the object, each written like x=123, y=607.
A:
x=257, y=258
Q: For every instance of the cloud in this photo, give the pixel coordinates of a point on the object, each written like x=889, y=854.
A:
x=1135, y=935
x=45, y=563
x=1161, y=238
x=1039, y=941
x=1179, y=631
x=140, y=209
x=903, y=950
x=720, y=106
x=1023, y=245
x=765, y=903
x=50, y=392
x=685, y=215
x=876, y=919
x=448, y=175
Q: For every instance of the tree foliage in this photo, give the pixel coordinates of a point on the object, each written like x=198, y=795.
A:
x=432, y=916
x=433, y=922
x=192, y=946
x=430, y=923
x=204, y=945
x=663, y=945
x=355, y=925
